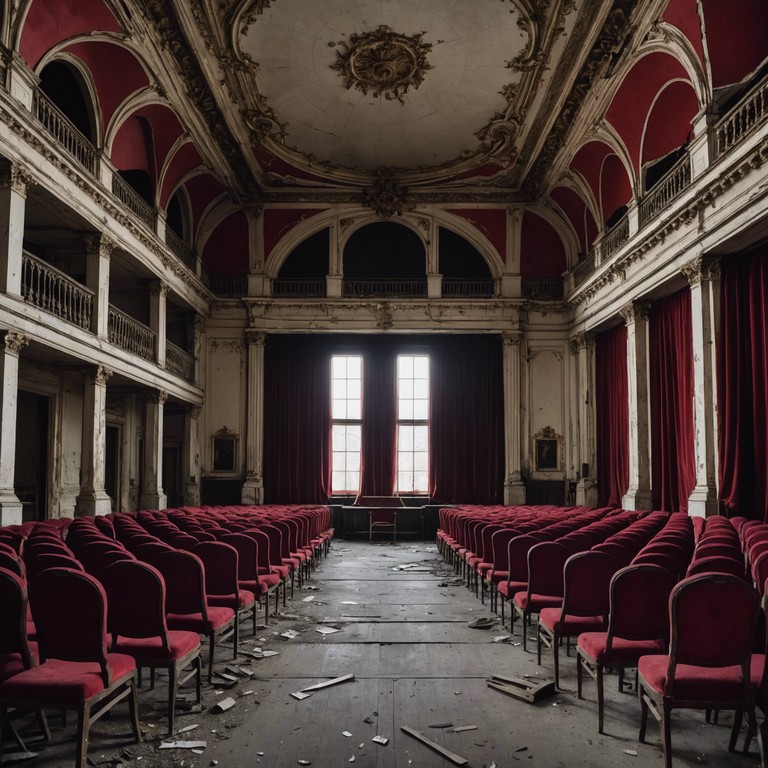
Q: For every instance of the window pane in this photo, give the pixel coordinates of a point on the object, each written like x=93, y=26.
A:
x=405, y=437
x=339, y=367
x=353, y=438
x=405, y=389
x=339, y=409
x=420, y=410
x=404, y=367
x=420, y=461
x=354, y=410
x=339, y=389
x=420, y=482
x=421, y=367
x=354, y=367
x=421, y=389
x=353, y=389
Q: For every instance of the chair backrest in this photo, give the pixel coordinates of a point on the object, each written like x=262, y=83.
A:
x=136, y=595
x=546, y=562
x=517, y=556
x=717, y=564
x=184, y=577
x=713, y=619
x=13, y=563
x=221, y=567
x=247, y=555
x=40, y=563
x=13, y=616
x=586, y=581
x=621, y=553
x=70, y=612
x=639, y=602
x=500, y=548
x=262, y=541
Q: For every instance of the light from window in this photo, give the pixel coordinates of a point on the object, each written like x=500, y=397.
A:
x=346, y=415
x=412, y=424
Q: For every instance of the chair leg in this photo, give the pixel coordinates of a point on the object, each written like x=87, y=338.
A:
x=643, y=717
x=600, y=697
x=737, y=716
x=211, y=651
x=666, y=733
x=172, y=678
x=526, y=620
x=133, y=707
x=236, y=636
x=556, y=652
x=578, y=676
x=83, y=728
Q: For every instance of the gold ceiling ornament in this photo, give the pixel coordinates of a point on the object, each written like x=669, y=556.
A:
x=382, y=62
x=385, y=196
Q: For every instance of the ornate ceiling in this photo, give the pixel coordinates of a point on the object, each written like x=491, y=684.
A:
x=428, y=94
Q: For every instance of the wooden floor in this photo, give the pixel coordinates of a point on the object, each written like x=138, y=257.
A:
x=404, y=636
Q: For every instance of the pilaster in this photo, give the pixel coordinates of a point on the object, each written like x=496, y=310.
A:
x=586, y=488
x=158, y=293
x=152, y=495
x=13, y=198
x=514, y=488
x=253, y=488
x=192, y=456
x=99, y=252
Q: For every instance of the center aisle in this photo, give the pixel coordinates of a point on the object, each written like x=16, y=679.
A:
x=403, y=633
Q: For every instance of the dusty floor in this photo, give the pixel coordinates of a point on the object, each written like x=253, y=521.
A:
x=403, y=634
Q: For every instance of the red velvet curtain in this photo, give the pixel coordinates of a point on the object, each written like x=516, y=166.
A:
x=297, y=420
x=612, y=407
x=670, y=358
x=466, y=427
x=377, y=471
x=742, y=386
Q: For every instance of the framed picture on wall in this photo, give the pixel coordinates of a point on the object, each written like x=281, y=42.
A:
x=547, y=458
x=224, y=451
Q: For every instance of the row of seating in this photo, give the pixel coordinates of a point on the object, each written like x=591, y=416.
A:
x=154, y=594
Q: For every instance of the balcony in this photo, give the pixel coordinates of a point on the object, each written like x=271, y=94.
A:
x=542, y=288
x=385, y=287
x=460, y=287
x=126, y=194
x=180, y=249
x=298, y=287
x=131, y=335
x=666, y=191
x=740, y=121
x=179, y=362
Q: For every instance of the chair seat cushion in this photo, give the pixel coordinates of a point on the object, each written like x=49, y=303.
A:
x=511, y=588
x=281, y=570
x=10, y=664
x=194, y=622
x=497, y=576
x=64, y=684
x=151, y=648
x=483, y=568
x=243, y=599
x=535, y=602
x=693, y=683
x=553, y=620
x=622, y=651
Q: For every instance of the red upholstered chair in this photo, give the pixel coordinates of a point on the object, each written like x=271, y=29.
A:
x=12, y=562
x=708, y=666
x=586, y=579
x=248, y=572
x=717, y=564
x=186, y=604
x=269, y=564
x=221, y=584
x=517, y=570
x=136, y=619
x=76, y=671
x=546, y=561
x=279, y=553
x=40, y=563
x=500, y=570
x=638, y=625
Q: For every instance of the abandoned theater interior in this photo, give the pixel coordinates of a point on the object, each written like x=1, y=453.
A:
x=288, y=287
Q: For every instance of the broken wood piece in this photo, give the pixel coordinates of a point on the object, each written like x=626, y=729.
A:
x=224, y=704
x=446, y=753
x=326, y=630
x=462, y=728
x=326, y=683
x=525, y=690
x=300, y=695
x=383, y=740
x=441, y=725
x=183, y=745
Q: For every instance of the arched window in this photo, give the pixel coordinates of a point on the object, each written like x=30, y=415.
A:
x=64, y=86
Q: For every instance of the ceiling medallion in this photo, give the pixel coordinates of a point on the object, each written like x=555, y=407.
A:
x=383, y=62
x=385, y=196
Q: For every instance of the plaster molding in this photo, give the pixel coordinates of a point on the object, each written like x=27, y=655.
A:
x=14, y=342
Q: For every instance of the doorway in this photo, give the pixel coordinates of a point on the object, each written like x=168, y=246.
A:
x=31, y=473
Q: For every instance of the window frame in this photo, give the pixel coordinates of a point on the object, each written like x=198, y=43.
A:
x=347, y=422
x=411, y=422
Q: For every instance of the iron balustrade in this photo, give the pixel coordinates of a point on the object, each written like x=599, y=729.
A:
x=542, y=287
x=179, y=362
x=229, y=286
x=615, y=237
x=468, y=287
x=61, y=129
x=180, y=249
x=385, y=287
x=49, y=289
x=131, y=199
x=583, y=269
x=742, y=119
x=666, y=190
x=298, y=287
x=131, y=335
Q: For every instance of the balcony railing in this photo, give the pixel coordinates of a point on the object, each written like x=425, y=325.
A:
x=52, y=291
x=542, y=287
x=179, y=362
x=583, y=269
x=131, y=335
x=742, y=119
x=615, y=237
x=128, y=196
x=298, y=287
x=466, y=287
x=666, y=190
x=63, y=131
x=229, y=286
x=180, y=249
x=385, y=287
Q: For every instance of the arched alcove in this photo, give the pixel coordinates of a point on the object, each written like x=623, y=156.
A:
x=64, y=86
x=384, y=250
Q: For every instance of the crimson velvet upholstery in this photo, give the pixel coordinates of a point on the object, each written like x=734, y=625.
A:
x=136, y=620
x=586, y=579
x=76, y=670
x=712, y=620
x=638, y=625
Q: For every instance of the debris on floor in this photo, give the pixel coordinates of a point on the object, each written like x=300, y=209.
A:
x=327, y=683
x=224, y=704
x=484, y=622
x=383, y=740
x=446, y=753
x=462, y=728
x=326, y=630
x=183, y=745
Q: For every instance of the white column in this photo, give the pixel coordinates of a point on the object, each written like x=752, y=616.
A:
x=334, y=282
x=152, y=495
x=13, y=198
x=514, y=489
x=93, y=499
x=258, y=282
x=99, y=251
x=511, y=281
x=192, y=456
x=434, y=278
x=586, y=489
x=158, y=292
x=638, y=494
x=12, y=344
x=197, y=333
x=704, y=277
x=253, y=488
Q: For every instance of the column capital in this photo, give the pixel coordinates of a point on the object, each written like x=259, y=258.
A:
x=15, y=177
x=158, y=398
x=702, y=268
x=194, y=411
x=13, y=342
x=198, y=321
x=582, y=340
x=159, y=288
x=635, y=310
x=98, y=374
x=258, y=338
x=512, y=338
x=99, y=244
